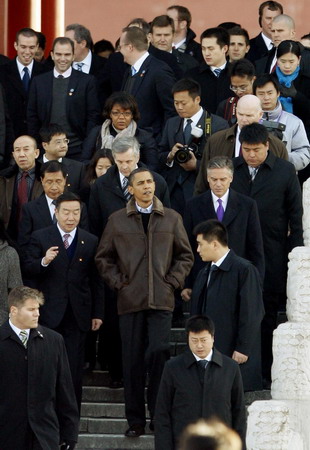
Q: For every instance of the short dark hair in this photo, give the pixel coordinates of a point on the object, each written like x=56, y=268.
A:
x=187, y=84
x=238, y=31
x=141, y=23
x=162, y=21
x=27, y=32
x=273, y=6
x=53, y=167
x=138, y=170
x=288, y=46
x=305, y=36
x=137, y=38
x=183, y=14
x=242, y=68
x=125, y=100
x=212, y=229
x=81, y=33
x=198, y=323
x=221, y=35
x=255, y=133
x=229, y=25
x=62, y=40
x=41, y=39
x=262, y=80
x=102, y=46
x=67, y=197
x=49, y=131
x=19, y=295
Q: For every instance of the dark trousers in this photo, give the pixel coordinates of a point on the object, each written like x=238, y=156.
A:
x=145, y=343
x=75, y=345
x=272, y=302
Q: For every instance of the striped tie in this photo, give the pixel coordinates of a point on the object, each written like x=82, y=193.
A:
x=126, y=193
x=23, y=336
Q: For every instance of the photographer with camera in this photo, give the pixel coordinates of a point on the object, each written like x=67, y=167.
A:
x=267, y=89
x=183, y=141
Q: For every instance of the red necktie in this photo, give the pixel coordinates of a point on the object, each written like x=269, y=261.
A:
x=22, y=193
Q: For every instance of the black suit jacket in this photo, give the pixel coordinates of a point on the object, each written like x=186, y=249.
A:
x=213, y=89
x=36, y=215
x=63, y=281
x=35, y=389
x=241, y=220
x=173, y=133
x=182, y=398
x=15, y=94
x=106, y=197
x=233, y=300
x=258, y=48
x=152, y=91
x=75, y=174
x=82, y=106
x=278, y=197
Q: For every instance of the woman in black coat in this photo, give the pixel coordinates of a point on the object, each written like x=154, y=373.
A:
x=121, y=115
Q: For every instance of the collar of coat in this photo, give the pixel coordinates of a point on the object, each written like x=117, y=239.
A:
x=158, y=207
x=269, y=161
x=217, y=358
x=6, y=332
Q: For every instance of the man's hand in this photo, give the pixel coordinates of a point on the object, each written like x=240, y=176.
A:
x=191, y=164
x=96, y=324
x=240, y=358
x=186, y=294
x=173, y=151
x=50, y=255
x=288, y=91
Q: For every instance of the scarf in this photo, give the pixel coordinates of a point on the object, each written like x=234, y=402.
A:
x=275, y=114
x=106, y=137
x=286, y=80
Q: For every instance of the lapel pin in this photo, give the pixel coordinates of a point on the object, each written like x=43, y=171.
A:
x=142, y=74
x=71, y=91
x=81, y=259
x=82, y=242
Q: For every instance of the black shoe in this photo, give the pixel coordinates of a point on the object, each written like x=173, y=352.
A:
x=135, y=430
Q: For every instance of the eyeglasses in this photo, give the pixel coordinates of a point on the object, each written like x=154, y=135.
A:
x=62, y=141
x=239, y=88
x=126, y=114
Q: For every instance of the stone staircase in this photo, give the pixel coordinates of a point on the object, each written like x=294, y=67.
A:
x=103, y=420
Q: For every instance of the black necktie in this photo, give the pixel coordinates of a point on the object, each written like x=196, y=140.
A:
x=26, y=78
x=187, y=131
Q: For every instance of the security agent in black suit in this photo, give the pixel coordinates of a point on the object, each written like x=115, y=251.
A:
x=64, y=96
x=273, y=183
x=55, y=145
x=236, y=211
x=192, y=127
x=213, y=74
x=40, y=213
x=262, y=43
x=61, y=257
x=148, y=80
x=38, y=405
x=161, y=36
x=199, y=383
x=84, y=59
x=108, y=195
x=16, y=77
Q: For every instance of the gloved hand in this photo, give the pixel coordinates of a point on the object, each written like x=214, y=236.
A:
x=288, y=92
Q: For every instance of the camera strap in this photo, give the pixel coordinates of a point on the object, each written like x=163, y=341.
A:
x=208, y=128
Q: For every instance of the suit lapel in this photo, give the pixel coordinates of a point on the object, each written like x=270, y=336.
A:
x=43, y=211
x=206, y=206
x=231, y=208
x=16, y=79
x=139, y=77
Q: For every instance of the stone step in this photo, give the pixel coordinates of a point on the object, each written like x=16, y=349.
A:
x=102, y=394
x=106, y=426
x=114, y=441
x=103, y=410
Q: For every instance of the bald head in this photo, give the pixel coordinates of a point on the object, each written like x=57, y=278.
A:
x=249, y=110
x=282, y=29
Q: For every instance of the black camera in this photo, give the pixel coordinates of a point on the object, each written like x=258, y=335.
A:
x=183, y=154
x=275, y=128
